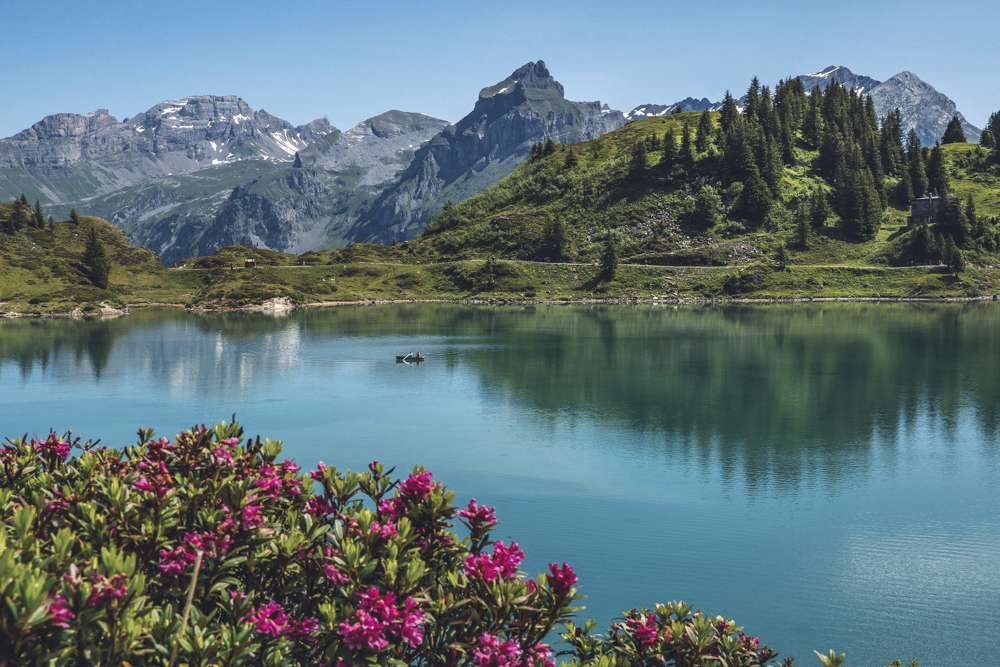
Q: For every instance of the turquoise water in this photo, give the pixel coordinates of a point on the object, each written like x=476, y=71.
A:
x=829, y=476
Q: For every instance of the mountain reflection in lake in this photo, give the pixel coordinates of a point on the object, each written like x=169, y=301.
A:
x=824, y=474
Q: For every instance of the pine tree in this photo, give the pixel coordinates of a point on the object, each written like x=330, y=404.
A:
x=21, y=215
x=755, y=200
x=571, y=159
x=707, y=208
x=957, y=262
x=975, y=224
x=753, y=99
x=903, y=192
x=952, y=222
x=95, y=260
x=536, y=153
x=987, y=140
x=74, y=217
x=937, y=175
x=781, y=256
x=638, y=160
x=39, y=219
x=298, y=161
x=728, y=113
x=820, y=209
x=669, y=149
x=954, y=133
x=555, y=240
x=948, y=250
x=802, y=220
x=704, y=132
x=915, y=163
x=609, y=258
x=687, y=149
x=550, y=147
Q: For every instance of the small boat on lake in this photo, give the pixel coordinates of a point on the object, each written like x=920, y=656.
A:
x=410, y=357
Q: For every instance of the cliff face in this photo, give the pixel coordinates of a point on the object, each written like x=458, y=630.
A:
x=479, y=150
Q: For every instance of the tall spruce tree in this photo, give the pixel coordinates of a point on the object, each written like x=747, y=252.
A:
x=707, y=208
x=704, y=140
x=954, y=133
x=609, y=257
x=728, y=113
x=937, y=174
x=638, y=160
x=687, y=147
x=96, y=261
x=38, y=220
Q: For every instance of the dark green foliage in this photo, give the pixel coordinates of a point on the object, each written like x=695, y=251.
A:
x=915, y=164
x=781, y=256
x=902, y=194
x=96, y=261
x=987, y=140
x=957, y=262
x=20, y=217
x=937, y=175
x=74, y=217
x=728, y=114
x=954, y=133
x=609, y=257
x=38, y=220
x=687, y=148
x=556, y=240
x=802, y=226
x=993, y=129
x=952, y=222
x=948, y=250
x=638, y=160
x=820, y=209
x=571, y=159
x=669, y=149
x=298, y=161
x=707, y=208
x=705, y=133
x=550, y=147
x=755, y=200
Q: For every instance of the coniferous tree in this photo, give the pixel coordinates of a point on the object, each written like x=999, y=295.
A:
x=755, y=200
x=298, y=161
x=903, y=192
x=957, y=262
x=891, y=143
x=571, y=159
x=704, y=132
x=96, y=261
x=948, y=250
x=753, y=99
x=987, y=140
x=536, y=152
x=937, y=175
x=954, y=133
x=975, y=224
x=728, y=113
x=20, y=217
x=952, y=222
x=550, y=147
x=609, y=258
x=74, y=217
x=707, y=208
x=638, y=160
x=802, y=220
x=812, y=124
x=781, y=256
x=555, y=240
x=38, y=220
x=820, y=209
x=669, y=149
x=915, y=163
x=687, y=148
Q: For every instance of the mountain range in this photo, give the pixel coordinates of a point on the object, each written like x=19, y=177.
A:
x=193, y=175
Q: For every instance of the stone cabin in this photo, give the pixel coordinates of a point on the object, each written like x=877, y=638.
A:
x=924, y=210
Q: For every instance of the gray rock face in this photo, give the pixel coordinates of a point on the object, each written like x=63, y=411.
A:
x=479, y=150
x=924, y=108
x=843, y=76
x=269, y=203
x=68, y=157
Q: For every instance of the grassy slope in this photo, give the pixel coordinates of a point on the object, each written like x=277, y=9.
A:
x=508, y=221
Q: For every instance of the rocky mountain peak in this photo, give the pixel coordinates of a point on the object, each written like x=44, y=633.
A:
x=529, y=77
x=840, y=74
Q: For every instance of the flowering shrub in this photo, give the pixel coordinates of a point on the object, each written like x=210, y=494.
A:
x=209, y=550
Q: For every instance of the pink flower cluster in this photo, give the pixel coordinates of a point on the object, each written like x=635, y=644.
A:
x=479, y=516
x=107, y=588
x=214, y=544
x=53, y=445
x=379, y=619
x=61, y=615
x=272, y=480
x=645, y=631
x=502, y=564
x=384, y=530
x=417, y=487
x=493, y=652
x=271, y=619
x=319, y=506
x=752, y=643
x=561, y=580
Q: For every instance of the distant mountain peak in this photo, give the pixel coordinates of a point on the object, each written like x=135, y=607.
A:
x=530, y=76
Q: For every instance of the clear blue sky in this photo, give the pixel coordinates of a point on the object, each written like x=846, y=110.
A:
x=349, y=60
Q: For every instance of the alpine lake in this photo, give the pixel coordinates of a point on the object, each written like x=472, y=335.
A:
x=826, y=475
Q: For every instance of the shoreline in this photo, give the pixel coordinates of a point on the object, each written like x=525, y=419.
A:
x=283, y=305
